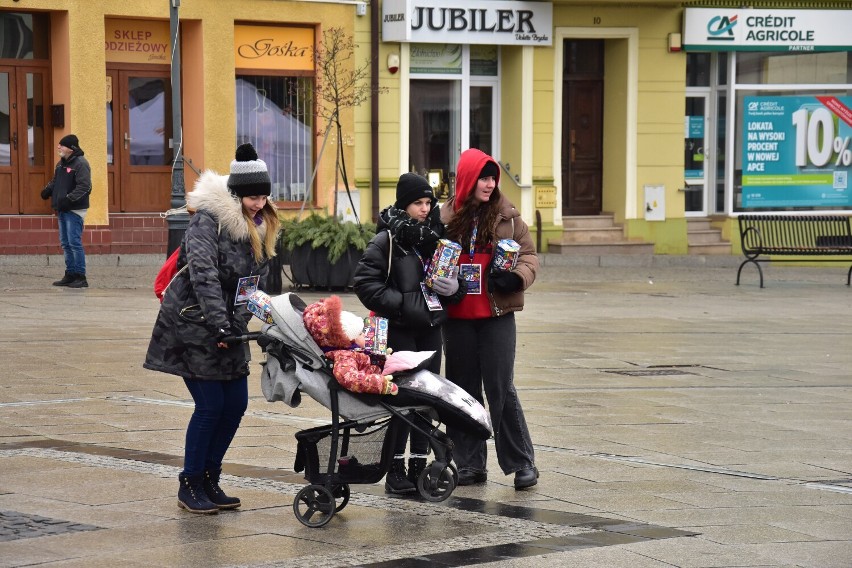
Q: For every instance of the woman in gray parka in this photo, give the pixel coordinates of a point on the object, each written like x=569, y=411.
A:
x=223, y=258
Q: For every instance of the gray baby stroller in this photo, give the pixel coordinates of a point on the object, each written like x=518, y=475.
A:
x=357, y=447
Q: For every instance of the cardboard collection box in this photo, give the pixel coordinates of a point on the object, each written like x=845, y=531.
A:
x=260, y=305
x=444, y=261
x=506, y=255
x=376, y=334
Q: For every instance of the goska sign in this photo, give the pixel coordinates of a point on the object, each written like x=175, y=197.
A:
x=731, y=29
x=468, y=22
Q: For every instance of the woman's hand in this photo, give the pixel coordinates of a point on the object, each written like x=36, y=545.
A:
x=444, y=286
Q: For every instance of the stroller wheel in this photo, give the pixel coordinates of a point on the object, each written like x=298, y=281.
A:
x=314, y=506
x=340, y=492
x=436, y=482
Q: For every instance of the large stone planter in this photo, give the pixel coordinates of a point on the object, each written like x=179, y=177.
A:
x=310, y=268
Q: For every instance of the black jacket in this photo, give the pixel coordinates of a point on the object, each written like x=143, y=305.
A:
x=71, y=184
x=198, y=307
x=394, y=291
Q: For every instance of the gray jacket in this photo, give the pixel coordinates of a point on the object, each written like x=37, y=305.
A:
x=198, y=308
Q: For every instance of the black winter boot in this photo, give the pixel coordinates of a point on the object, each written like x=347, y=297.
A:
x=215, y=493
x=396, y=481
x=191, y=495
x=78, y=282
x=415, y=468
x=66, y=280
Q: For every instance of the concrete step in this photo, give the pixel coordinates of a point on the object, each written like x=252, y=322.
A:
x=593, y=235
x=623, y=247
x=698, y=224
x=709, y=249
x=708, y=237
x=588, y=221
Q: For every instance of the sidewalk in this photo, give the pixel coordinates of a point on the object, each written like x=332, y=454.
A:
x=679, y=420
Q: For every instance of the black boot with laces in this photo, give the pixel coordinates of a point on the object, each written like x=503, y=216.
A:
x=415, y=468
x=396, y=481
x=215, y=493
x=66, y=280
x=191, y=495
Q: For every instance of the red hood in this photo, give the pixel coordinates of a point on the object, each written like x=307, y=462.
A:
x=470, y=164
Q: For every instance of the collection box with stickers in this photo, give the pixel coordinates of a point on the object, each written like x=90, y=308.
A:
x=444, y=261
x=376, y=334
x=506, y=255
x=260, y=304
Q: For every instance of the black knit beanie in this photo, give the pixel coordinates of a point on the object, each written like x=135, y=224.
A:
x=249, y=175
x=70, y=141
x=489, y=170
x=410, y=188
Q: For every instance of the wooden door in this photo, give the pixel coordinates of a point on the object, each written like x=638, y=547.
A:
x=26, y=160
x=582, y=128
x=139, y=132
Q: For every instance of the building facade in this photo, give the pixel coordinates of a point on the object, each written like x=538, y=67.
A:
x=654, y=113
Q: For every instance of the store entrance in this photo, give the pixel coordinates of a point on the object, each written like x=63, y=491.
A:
x=26, y=161
x=582, y=128
x=139, y=134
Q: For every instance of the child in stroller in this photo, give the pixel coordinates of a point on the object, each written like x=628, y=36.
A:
x=357, y=447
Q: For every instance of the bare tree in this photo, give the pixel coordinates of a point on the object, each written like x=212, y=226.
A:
x=341, y=84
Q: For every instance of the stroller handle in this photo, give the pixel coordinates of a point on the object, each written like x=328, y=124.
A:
x=235, y=339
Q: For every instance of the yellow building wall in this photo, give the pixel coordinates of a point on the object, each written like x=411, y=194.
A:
x=209, y=99
x=388, y=124
x=659, y=115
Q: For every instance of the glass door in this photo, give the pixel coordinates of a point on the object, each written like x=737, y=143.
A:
x=695, y=154
x=139, y=134
x=25, y=163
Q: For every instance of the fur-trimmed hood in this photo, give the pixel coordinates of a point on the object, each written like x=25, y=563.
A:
x=211, y=194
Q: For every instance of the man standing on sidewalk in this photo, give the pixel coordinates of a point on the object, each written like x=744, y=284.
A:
x=68, y=192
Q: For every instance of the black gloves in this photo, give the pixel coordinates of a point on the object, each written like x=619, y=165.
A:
x=414, y=234
x=506, y=282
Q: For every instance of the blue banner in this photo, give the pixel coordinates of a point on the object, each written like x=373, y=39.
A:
x=797, y=151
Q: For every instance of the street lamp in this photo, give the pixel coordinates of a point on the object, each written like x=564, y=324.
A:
x=177, y=222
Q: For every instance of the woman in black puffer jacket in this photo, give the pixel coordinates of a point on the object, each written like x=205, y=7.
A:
x=224, y=255
x=389, y=281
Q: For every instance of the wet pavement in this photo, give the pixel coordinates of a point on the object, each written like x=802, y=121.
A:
x=679, y=420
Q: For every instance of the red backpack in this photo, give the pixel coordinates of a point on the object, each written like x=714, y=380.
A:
x=166, y=274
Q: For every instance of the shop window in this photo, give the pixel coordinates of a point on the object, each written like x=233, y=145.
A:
x=698, y=70
x=274, y=114
x=483, y=60
x=773, y=68
x=805, y=196
x=23, y=36
x=433, y=138
x=454, y=104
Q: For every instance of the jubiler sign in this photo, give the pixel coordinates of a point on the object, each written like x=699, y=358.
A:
x=732, y=29
x=468, y=22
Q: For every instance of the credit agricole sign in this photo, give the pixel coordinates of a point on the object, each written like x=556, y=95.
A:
x=467, y=22
x=745, y=29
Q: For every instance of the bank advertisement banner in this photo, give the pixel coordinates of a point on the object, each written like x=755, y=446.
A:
x=797, y=151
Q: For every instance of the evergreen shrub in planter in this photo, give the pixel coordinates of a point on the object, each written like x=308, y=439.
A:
x=324, y=251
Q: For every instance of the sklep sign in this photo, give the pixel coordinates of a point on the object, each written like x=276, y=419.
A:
x=467, y=22
x=745, y=29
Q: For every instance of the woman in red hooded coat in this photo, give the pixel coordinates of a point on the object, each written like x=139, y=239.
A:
x=480, y=334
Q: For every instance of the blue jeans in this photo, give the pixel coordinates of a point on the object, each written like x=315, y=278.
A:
x=219, y=408
x=71, y=240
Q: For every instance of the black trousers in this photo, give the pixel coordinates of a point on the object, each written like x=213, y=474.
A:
x=407, y=339
x=480, y=356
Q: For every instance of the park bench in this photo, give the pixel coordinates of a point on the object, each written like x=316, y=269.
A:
x=795, y=235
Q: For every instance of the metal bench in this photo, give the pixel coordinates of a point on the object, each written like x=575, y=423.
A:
x=795, y=235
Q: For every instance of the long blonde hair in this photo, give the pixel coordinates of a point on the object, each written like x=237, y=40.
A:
x=264, y=246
